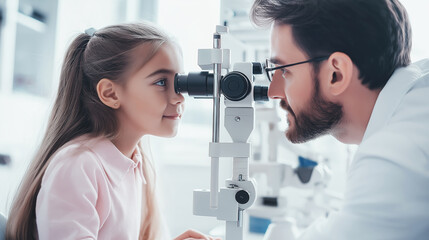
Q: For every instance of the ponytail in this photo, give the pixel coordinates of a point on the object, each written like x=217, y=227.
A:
x=64, y=125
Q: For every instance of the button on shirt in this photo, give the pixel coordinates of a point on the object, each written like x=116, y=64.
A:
x=387, y=190
x=90, y=190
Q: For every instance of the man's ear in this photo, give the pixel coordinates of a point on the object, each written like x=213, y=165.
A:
x=340, y=73
x=107, y=92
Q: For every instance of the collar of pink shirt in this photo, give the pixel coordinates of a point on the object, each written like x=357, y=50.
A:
x=116, y=164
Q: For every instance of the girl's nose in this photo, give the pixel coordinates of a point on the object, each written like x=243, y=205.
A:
x=177, y=98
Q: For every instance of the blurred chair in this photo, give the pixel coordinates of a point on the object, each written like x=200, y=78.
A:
x=3, y=221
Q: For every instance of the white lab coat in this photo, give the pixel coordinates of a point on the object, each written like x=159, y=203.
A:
x=387, y=189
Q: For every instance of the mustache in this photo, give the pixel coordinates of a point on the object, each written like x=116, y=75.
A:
x=286, y=107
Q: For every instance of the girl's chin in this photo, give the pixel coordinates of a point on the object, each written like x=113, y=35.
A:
x=168, y=134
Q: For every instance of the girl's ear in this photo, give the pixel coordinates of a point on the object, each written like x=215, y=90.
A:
x=107, y=92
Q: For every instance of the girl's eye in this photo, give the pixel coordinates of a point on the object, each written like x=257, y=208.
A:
x=161, y=82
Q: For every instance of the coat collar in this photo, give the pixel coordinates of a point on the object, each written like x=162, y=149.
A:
x=391, y=96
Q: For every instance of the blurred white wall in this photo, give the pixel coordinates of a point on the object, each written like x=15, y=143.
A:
x=419, y=18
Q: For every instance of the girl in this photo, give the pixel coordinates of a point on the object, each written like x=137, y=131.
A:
x=90, y=178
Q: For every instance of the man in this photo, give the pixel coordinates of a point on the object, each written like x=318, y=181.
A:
x=342, y=67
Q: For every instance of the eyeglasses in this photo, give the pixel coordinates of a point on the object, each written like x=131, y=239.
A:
x=270, y=67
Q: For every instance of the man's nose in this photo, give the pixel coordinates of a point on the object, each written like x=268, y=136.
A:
x=276, y=90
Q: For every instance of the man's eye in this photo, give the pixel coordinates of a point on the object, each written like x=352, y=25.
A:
x=161, y=82
x=284, y=71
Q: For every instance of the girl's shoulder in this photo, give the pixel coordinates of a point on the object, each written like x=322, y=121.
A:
x=96, y=158
x=76, y=156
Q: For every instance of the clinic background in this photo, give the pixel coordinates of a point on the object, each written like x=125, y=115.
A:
x=34, y=35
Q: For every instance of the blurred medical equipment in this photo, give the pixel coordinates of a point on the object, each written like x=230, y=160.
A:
x=275, y=214
x=4, y=159
x=229, y=203
x=1, y=15
x=3, y=221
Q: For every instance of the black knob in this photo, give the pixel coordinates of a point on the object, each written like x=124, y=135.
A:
x=260, y=93
x=242, y=197
x=235, y=86
x=257, y=67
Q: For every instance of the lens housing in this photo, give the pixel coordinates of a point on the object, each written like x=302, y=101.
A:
x=235, y=86
x=196, y=84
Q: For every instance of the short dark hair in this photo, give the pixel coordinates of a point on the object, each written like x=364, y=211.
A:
x=375, y=34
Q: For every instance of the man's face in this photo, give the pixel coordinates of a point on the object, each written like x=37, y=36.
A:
x=309, y=114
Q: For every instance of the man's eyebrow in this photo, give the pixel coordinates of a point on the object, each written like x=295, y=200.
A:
x=161, y=71
x=276, y=61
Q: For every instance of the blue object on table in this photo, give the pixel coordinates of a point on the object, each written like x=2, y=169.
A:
x=258, y=225
x=306, y=162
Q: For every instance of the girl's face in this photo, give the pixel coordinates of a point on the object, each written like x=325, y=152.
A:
x=148, y=103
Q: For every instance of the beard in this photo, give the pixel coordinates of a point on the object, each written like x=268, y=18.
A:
x=318, y=119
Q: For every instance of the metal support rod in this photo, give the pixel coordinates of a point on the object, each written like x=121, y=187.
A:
x=214, y=178
x=232, y=231
x=240, y=169
x=240, y=218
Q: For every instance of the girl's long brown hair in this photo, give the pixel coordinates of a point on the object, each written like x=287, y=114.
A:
x=109, y=53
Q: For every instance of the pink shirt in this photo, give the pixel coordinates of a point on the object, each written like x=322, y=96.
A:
x=90, y=190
